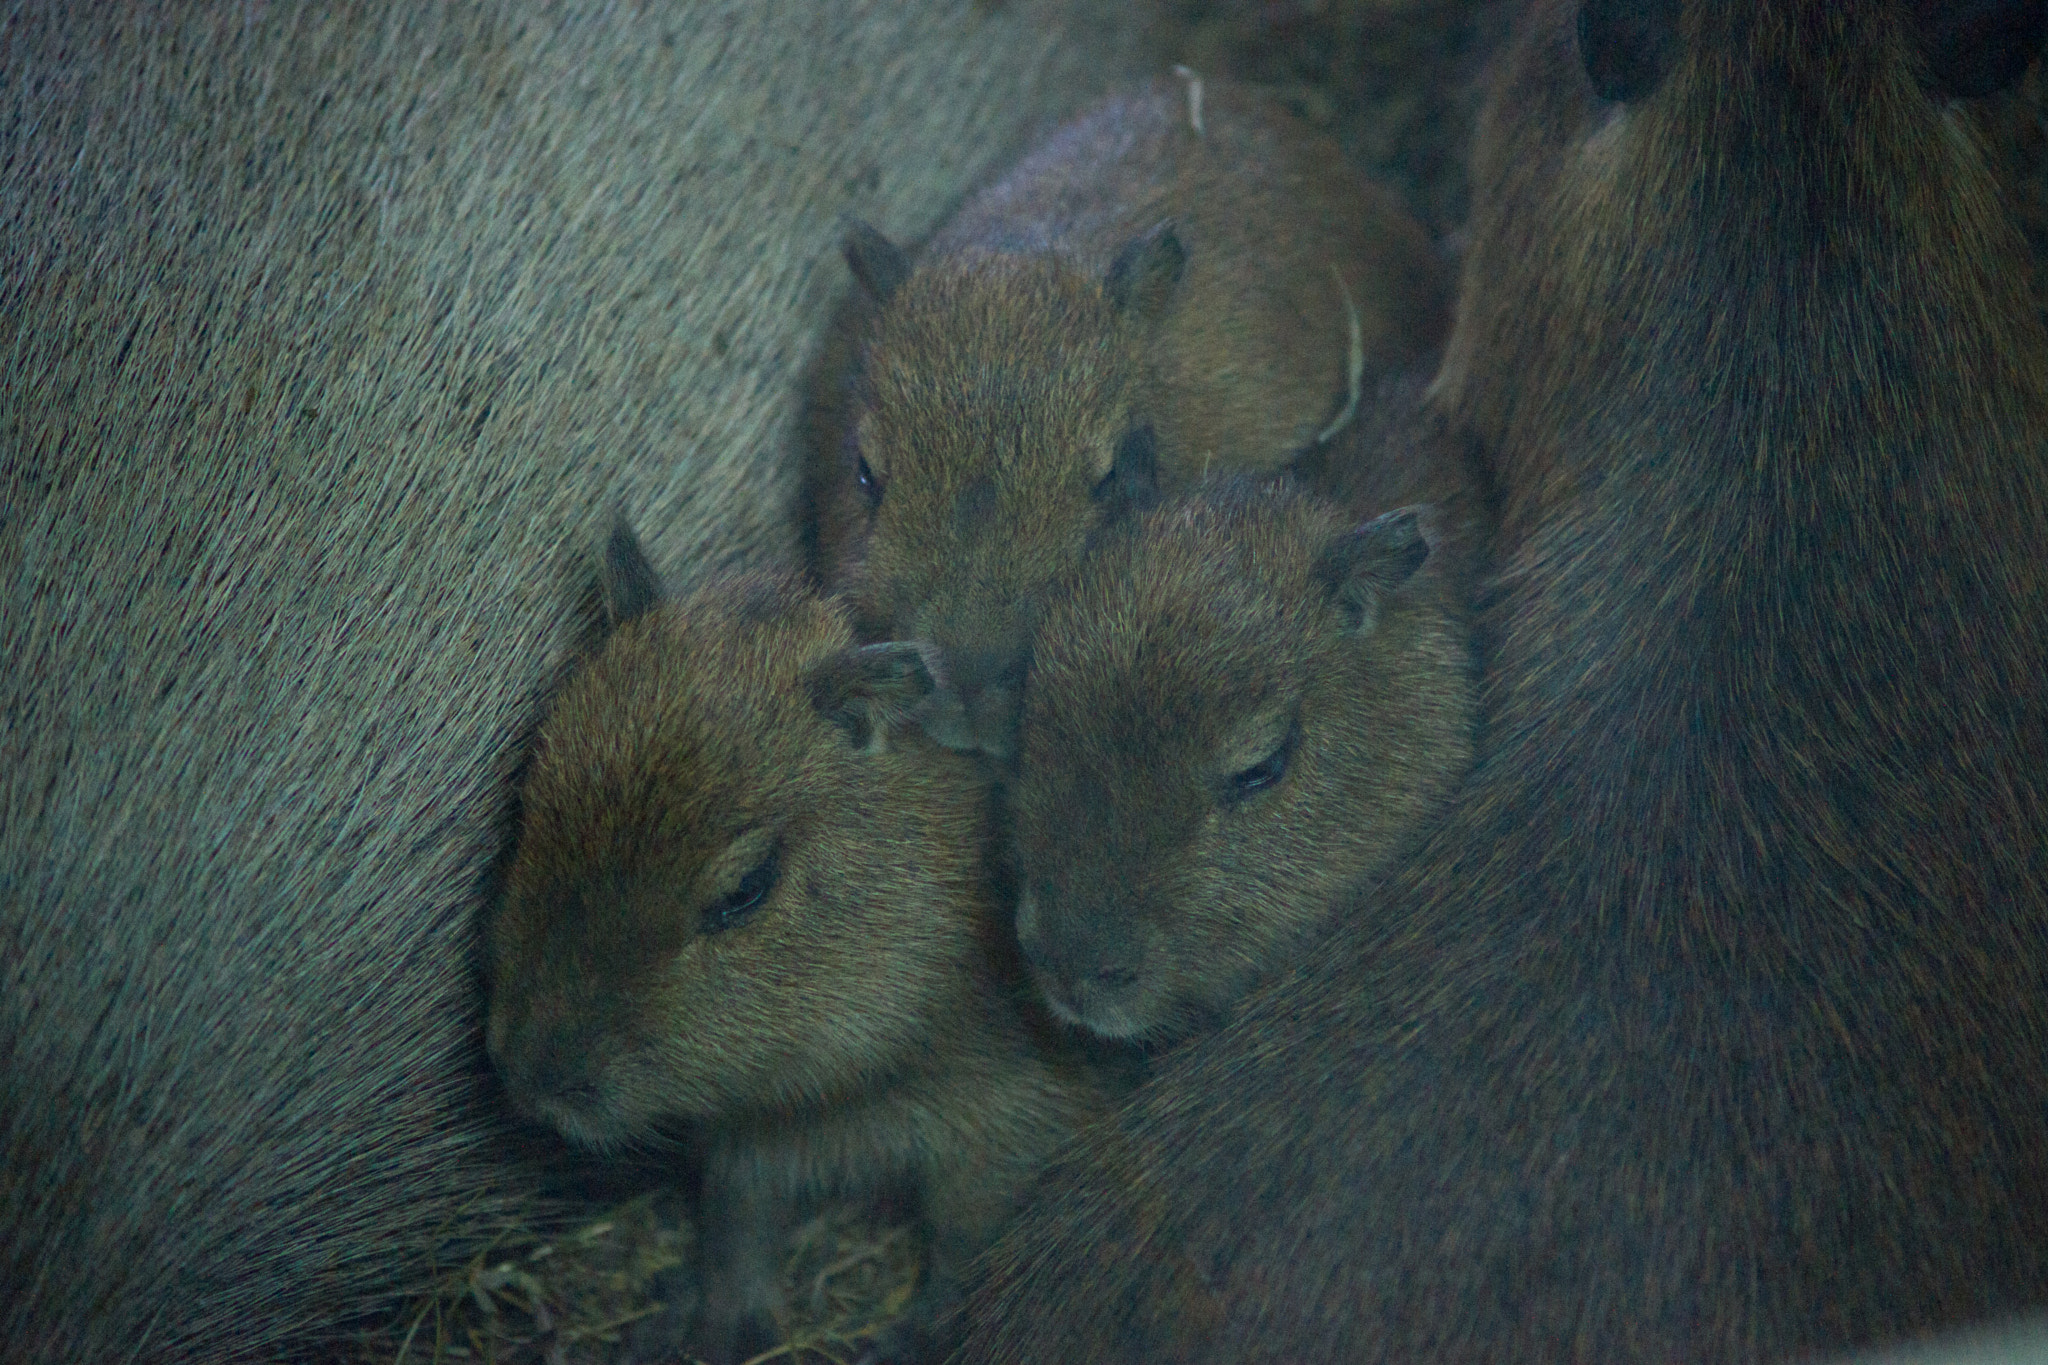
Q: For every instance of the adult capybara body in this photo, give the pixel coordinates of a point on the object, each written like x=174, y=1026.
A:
x=1713, y=1023
x=1185, y=281
x=330, y=336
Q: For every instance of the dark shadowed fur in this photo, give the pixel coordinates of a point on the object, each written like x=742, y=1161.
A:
x=745, y=898
x=1712, y=1023
x=1136, y=304
x=323, y=328
x=1238, y=708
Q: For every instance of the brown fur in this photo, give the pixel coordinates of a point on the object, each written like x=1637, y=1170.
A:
x=861, y=1027
x=1238, y=709
x=1712, y=1023
x=325, y=328
x=1037, y=335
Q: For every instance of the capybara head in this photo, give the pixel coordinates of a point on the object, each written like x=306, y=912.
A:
x=1238, y=706
x=732, y=890
x=1625, y=286
x=1002, y=422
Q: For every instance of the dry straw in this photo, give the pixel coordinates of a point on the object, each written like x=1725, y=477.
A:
x=571, y=1297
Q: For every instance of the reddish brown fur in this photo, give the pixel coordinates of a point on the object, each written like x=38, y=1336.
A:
x=1712, y=1024
x=1000, y=379
x=858, y=1031
x=1218, y=636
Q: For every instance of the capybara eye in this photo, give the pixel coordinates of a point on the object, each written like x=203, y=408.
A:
x=738, y=906
x=870, y=486
x=1261, y=775
x=1627, y=45
x=1977, y=47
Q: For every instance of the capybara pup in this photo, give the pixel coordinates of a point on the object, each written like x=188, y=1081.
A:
x=746, y=895
x=1166, y=288
x=1240, y=704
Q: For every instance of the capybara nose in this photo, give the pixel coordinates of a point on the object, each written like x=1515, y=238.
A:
x=559, y=1070
x=564, y=1081
x=987, y=691
x=1099, y=985
x=1080, y=972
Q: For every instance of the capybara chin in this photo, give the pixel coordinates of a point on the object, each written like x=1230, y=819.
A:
x=326, y=327
x=746, y=894
x=1711, y=1024
x=1153, y=295
x=1240, y=705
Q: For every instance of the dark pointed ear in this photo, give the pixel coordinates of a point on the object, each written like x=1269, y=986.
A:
x=1133, y=477
x=879, y=264
x=869, y=690
x=1366, y=563
x=1145, y=273
x=626, y=580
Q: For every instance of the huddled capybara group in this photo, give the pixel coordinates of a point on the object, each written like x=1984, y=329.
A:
x=1545, y=781
x=757, y=889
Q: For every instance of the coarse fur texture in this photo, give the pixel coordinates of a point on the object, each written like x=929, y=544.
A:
x=323, y=330
x=1712, y=1023
x=745, y=896
x=1240, y=706
x=1137, y=304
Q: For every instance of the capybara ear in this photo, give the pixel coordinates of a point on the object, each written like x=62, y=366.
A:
x=877, y=263
x=1363, y=565
x=1970, y=48
x=1133, y=477
x=867, y=690
x=627, y=579
x=1627, y=46
x=1146, y=271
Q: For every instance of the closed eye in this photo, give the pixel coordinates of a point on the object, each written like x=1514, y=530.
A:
x=1260, y=776
x=740, y=904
